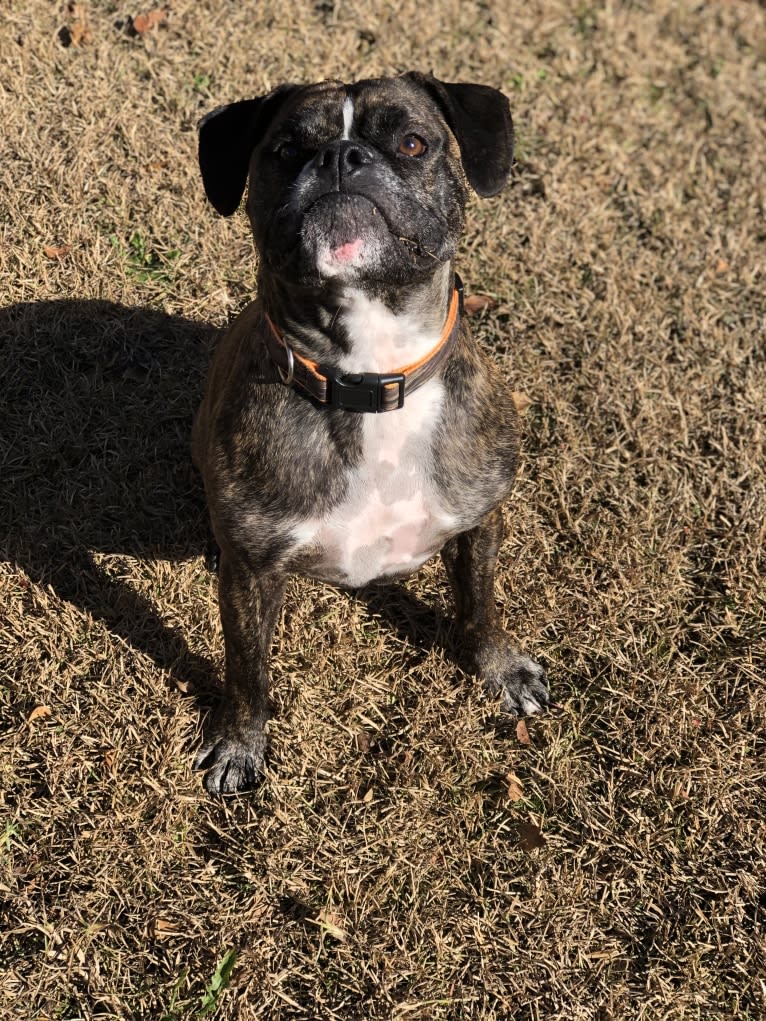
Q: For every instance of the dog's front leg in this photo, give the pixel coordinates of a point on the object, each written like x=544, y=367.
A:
x=470, y=559
x=233, y=752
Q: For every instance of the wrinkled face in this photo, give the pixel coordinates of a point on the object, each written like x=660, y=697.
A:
x=359, y=183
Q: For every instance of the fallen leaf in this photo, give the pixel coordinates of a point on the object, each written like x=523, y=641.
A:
x=476, y=302
x=110, y=758
x=143, y=23
x=368, y=797
x=39, y=713
x=523, y=734
x=80, y=33
x=721, y=266
x=530, y=836
x=521, y=401
x=56, y=251
x=515, y=789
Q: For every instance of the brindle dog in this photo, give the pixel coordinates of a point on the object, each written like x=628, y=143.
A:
x=351, y=427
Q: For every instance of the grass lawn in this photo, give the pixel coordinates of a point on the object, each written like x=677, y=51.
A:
x=412, y=854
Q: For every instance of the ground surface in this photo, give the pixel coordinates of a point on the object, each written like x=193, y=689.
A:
x=410, y=854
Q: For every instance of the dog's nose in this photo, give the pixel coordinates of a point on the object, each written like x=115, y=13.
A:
x=338, y=160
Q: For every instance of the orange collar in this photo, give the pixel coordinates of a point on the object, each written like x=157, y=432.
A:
x=367, y=391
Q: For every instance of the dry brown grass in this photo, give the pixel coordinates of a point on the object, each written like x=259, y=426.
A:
x=386, y=869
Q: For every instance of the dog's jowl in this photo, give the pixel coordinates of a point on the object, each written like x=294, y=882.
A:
x=351, y=427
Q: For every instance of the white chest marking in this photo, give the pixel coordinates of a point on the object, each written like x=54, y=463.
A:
x=391, y=519
x=382, y=341
x=348, y=117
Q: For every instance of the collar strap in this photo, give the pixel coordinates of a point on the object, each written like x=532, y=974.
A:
x=363, y=391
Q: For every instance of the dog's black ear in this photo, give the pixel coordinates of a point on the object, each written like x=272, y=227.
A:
x=227, y=137
x=480, y=119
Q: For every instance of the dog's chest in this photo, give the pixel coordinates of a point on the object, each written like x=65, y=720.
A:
x=391, y=518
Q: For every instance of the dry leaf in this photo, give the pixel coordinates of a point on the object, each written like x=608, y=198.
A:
x=530, y=836
x=476, y=302
x=523, y=734
x=143, y=23
x=39, y=712
x=56, y=251
x=79, y=33
x=521, y=401
x=110, y=758
x=721, y=266
x=368, y=797
x=515, y=788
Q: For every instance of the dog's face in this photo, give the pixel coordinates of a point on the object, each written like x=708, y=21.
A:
x=357, y=182
x=362, y=183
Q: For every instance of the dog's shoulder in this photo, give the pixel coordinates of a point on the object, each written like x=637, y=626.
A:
x=477, y=452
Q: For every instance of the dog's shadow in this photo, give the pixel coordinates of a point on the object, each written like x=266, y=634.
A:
x=423, y=625
x=94, y=456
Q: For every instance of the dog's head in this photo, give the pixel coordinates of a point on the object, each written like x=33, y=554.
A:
x=358, y=183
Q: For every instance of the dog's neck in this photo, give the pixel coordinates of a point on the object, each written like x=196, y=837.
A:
x=360, y=330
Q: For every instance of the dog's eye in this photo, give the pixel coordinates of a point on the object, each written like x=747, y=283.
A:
x=412, y=145
x=288, y=152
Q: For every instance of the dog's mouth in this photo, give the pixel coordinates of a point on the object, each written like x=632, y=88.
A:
x=341, y=232
x=348, y=236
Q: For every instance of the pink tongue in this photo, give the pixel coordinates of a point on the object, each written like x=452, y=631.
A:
x=347, y=252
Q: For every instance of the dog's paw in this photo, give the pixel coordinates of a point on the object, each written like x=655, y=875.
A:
x=524, y=686
x=522, y=682
x=232, y=763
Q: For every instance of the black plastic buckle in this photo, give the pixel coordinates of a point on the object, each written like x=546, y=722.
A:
x=361, y=391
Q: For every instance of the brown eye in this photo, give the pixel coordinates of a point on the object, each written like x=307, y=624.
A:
x=411, y=145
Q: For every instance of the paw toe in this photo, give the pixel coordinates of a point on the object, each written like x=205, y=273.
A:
x=231, y=765
x=203, y=757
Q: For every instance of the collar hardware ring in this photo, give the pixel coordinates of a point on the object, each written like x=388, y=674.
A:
x=288, y=376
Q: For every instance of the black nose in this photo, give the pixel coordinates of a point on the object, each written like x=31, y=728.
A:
x=338, y=161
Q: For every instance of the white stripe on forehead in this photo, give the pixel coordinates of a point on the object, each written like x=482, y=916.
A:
x=348, y=117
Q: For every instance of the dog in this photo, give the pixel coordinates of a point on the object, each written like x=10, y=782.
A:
x=351, y=428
